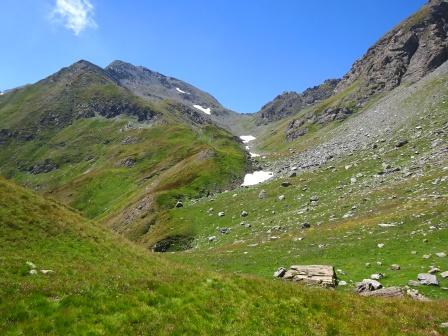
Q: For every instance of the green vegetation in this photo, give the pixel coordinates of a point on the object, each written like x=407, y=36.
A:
x=110, y=149
x=103, y=285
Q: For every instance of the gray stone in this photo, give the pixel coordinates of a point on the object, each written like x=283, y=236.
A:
x=320, y=275
x=428, y=279
x=368, y=285
x=388, y=292
x=262, y=195
x=395, y=267
x=441, y=254
x=377, y=276
x=221, y=214
x=244, y=213
x=179, y=204
x=414, y=283
x=280, y=272
x=444, y=275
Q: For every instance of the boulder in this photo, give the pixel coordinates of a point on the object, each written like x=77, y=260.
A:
x=428, y=279
x=395, y=267
x=305, y=226
x=385, y=292
x=280, y=272
x=368, y=285
x=262, y=195
x=377, y=276
x=319, y=275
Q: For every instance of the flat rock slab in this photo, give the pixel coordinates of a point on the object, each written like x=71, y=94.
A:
x=385, y=292
x=320, y=275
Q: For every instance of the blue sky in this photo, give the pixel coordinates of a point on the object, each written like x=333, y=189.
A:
x=244, y=52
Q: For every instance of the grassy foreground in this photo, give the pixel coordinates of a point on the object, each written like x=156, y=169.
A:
x=103, y=285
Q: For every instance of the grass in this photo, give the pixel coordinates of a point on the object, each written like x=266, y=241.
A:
x=344, y=225
x=171, y=158
x=103, y=285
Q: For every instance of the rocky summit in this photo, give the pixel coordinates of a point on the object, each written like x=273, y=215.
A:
x=133, y=202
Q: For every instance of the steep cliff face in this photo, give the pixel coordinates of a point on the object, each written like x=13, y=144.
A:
x=289, y=103
x=404, y=55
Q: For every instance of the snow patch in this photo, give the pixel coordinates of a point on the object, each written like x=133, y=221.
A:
x=247, y=138
x=256, y=178
x=182, y=91
x=203, y=109
x=1, y=93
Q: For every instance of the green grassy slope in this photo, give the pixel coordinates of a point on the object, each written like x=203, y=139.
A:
x=345, y=224
x=109, y=149
x=103, y=285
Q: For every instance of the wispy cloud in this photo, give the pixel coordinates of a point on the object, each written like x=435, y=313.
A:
x=75, y=15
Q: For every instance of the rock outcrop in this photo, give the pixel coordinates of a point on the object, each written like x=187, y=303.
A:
x=289, y=103
x=404, y=55
x=320, y=275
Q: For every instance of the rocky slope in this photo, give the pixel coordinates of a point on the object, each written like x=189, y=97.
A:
x=153, y=86
x=290, y=103
x=410, y=51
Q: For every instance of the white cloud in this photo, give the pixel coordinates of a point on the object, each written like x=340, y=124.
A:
x=75, y=15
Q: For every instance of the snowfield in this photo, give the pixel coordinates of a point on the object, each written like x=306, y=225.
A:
x=181, y=91
x=247, y=138
x=256, y=178
x=203, y=109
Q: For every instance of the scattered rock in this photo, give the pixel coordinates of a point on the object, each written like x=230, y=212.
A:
x=314, y=198
x=224, y=230
x=305, y=226
x=395, y=267
x=281, y=197
x=46, y=272
x=221, y=214
x=441, y=254
x=381, y=245
x=444, y=325
x=262, y=195
x=286, y=184
x=377, y=276
x=33, y=272
x=401, y=143
x=434, y=270
x=211, y=238
x=280, y=272
x=388, y=292
x=342, y=283
x=368, y=285
x=414, y=283
x=244, y=213
x=428, y=279
x=179, y=204
x=444, y=275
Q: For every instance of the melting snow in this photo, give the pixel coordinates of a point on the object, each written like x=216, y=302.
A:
x=247, y=138
x=181, y=91
x=203, y=109
x=256, y=177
